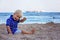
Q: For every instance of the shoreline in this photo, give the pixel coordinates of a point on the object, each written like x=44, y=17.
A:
x=36, y=23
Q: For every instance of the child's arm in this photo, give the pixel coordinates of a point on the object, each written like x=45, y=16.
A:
x=22, y=20
x=9, y=30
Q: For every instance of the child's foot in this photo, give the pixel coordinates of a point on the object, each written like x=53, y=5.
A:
x=33, y=30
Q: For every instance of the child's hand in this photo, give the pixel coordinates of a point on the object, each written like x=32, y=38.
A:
x=23, y=19
x=10, y=34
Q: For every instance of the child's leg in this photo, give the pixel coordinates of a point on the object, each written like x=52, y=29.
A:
x=18, y=31
x=25, y=32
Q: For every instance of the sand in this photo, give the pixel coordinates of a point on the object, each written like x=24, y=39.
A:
x=49, y=31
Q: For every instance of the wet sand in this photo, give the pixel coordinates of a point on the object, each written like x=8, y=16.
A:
x=49, y=31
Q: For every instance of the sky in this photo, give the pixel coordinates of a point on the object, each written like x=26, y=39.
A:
x=30, y=5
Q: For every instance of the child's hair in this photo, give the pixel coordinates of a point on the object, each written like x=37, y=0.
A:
x=18, y=12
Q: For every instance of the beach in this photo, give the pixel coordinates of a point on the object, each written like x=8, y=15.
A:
x=48, y=31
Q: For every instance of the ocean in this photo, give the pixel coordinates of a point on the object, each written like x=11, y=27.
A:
x=34, y=17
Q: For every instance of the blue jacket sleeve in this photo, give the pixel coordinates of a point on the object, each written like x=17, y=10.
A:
x=8, y=22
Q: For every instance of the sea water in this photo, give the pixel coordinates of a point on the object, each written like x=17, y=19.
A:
x=34, y=17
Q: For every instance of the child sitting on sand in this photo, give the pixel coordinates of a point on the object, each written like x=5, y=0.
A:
x=12, y=23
